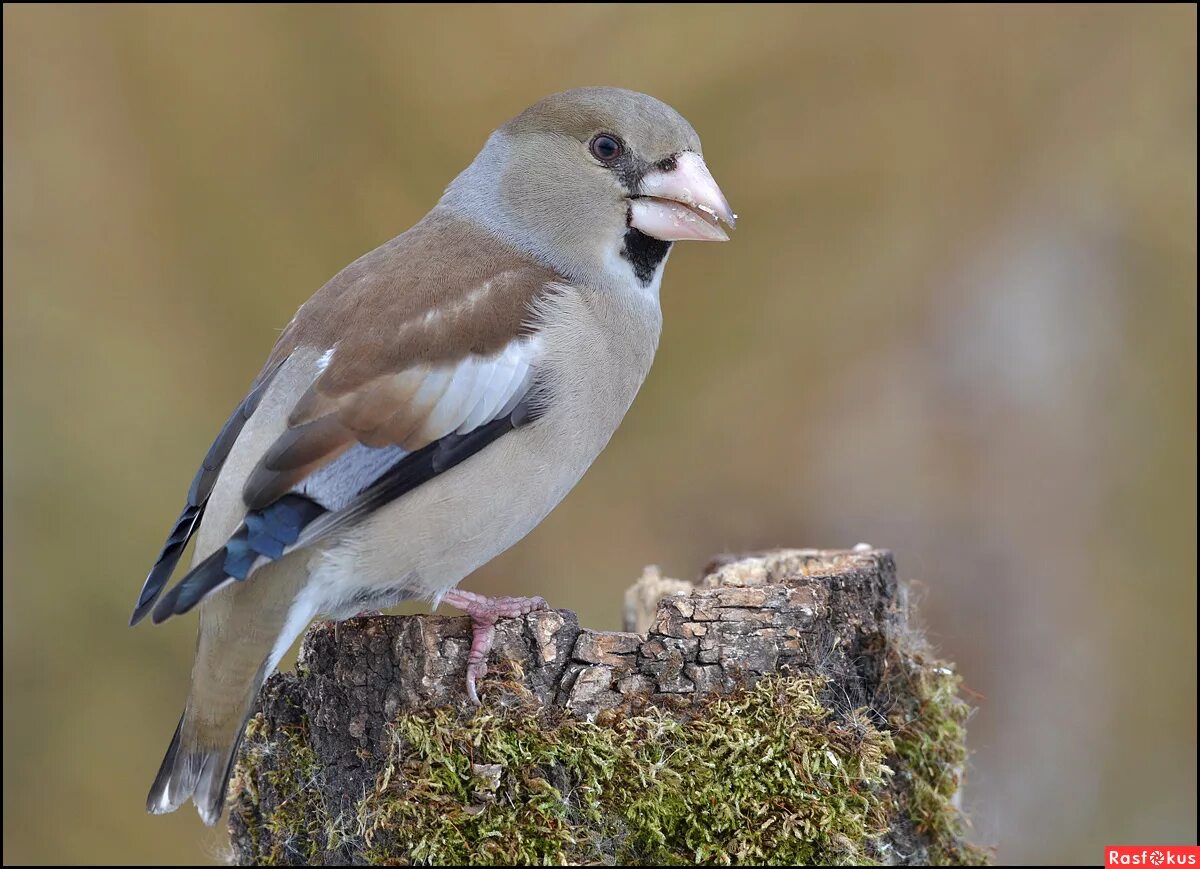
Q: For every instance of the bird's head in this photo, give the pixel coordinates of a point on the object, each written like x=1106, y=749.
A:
x=582, y=175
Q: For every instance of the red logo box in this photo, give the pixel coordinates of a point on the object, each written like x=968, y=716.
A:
x=1152, y=855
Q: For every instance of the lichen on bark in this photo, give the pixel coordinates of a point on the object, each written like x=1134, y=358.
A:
x=780, y=711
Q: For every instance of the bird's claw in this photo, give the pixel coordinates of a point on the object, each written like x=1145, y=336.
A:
x=475, y=671
x=484, y=613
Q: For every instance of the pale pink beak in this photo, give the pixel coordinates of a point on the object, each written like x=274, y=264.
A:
x=682, y=203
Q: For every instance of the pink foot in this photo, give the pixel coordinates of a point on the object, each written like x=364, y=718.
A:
x=484, y=612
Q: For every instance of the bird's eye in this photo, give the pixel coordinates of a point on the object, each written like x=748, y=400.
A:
x=606, y=148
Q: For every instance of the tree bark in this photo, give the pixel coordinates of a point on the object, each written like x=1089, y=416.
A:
x=369, y=752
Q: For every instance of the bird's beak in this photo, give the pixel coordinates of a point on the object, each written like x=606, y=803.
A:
x=681, y=203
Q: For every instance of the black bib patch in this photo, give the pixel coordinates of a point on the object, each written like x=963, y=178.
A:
x=645, y=253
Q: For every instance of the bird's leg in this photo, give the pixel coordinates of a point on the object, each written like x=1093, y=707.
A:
x=484, y=612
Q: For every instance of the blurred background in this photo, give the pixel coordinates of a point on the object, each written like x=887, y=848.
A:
x=957, y=319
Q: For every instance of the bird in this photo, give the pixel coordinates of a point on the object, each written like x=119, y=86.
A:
x=430, y=405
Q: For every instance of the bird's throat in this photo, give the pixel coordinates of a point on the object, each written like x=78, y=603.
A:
x=644, y=253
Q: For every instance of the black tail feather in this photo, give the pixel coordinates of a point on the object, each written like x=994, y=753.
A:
x=158, y=800
x=190, y=772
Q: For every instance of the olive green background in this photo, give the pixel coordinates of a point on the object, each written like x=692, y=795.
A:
x=957, y=319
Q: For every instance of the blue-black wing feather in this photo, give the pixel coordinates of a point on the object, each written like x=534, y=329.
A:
x=198, y=494
x=296, y=519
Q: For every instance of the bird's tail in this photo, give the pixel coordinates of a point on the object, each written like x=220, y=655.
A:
x=244, y=630
x=196, y=771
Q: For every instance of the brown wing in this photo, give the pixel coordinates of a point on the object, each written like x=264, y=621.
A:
x=421, y=337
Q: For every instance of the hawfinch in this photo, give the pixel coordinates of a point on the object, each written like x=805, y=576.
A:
x=431, y=404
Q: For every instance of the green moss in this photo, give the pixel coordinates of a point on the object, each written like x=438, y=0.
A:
x=768, y=775
x=928, y=722
x=283, y=761
x=765, y=777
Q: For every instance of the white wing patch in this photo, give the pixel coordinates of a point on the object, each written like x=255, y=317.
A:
x=501, y=385
x=326, y=358
x=440, y=400
x=478, y=390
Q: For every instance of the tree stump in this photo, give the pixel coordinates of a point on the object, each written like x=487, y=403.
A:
x=781, y=710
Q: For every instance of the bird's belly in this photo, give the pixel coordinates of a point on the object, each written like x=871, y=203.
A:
x=428, y=540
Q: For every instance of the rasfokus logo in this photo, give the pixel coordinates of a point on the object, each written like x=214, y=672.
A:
x=1152, y=855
